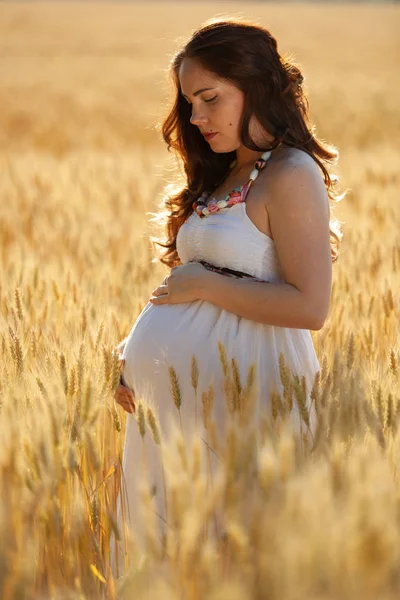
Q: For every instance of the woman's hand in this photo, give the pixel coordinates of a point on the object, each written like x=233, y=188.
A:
x=124, y=396
x=184, y=284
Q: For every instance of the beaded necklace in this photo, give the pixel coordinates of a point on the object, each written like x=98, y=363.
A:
x=237, y=195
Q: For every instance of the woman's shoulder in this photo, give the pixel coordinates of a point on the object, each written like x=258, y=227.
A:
x=285, y=171
x=291, y=158
x=289, y=164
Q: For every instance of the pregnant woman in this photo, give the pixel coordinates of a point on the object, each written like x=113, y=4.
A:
x=249, y=243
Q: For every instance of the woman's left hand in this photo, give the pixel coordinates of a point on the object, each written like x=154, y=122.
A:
x=184, y=284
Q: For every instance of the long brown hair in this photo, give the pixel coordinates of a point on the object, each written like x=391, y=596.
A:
x=245, y=54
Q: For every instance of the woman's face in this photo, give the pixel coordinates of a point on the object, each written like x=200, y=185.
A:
x=217, y=105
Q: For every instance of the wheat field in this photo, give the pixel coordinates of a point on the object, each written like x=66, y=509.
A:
x=82, y=89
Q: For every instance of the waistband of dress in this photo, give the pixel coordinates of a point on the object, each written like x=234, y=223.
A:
x=230, y=272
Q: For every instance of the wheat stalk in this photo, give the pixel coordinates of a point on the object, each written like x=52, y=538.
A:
x=194, y=378
x=176, y=392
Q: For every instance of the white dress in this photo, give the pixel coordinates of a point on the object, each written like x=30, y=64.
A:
x=165, y=335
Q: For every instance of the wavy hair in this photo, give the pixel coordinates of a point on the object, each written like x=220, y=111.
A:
x=245, y=54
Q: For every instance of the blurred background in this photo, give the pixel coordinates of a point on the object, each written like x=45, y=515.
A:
x=87, y=83
x=93, y=76
x=82, y=88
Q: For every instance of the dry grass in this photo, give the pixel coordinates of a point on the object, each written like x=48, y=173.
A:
x=305, y=516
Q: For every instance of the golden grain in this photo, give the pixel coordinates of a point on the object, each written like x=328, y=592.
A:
x=281, y=507
x=237, y=387
x=107, y=358
x=207, y=400
x=301, y=399
x=351, y=350
x=72, y=387
x=175, y=388
x=151, y=420
x=42, y=387
x=223, y=358
x=99, y=335
x=64, y=374
x=18, y=303
x=116, y=419
x=141, y=419
x=194, y=379
x=92, y=451
x=394, y=363
x=275, y=405
x=194, y=373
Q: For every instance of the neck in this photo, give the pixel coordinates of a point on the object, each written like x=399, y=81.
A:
x=245, y=156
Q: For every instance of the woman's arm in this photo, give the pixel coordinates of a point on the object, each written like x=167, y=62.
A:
x=299, y=219
x=279, y=304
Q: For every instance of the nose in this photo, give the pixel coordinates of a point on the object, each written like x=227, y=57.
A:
x=197, y=118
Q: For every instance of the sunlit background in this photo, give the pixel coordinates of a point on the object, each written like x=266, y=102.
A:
x=82, y=163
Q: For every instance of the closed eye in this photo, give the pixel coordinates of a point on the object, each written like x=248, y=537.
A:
x=210, y=100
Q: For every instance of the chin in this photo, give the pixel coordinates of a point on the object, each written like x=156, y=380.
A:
x=226, y=149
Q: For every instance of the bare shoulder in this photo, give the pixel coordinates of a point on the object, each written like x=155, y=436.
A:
x=297, y=198
x=292, y=171
x=294, y=162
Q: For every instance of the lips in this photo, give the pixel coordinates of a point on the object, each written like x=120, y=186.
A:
x=209, y=136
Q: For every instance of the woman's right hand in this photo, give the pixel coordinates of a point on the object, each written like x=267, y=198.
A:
x=124, y=396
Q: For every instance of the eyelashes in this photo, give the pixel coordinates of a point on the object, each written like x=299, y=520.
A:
x=210, y=100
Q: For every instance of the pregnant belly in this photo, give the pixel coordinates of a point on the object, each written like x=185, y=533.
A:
x=168, y=335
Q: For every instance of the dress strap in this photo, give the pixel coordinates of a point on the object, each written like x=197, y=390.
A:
x=258, y=165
